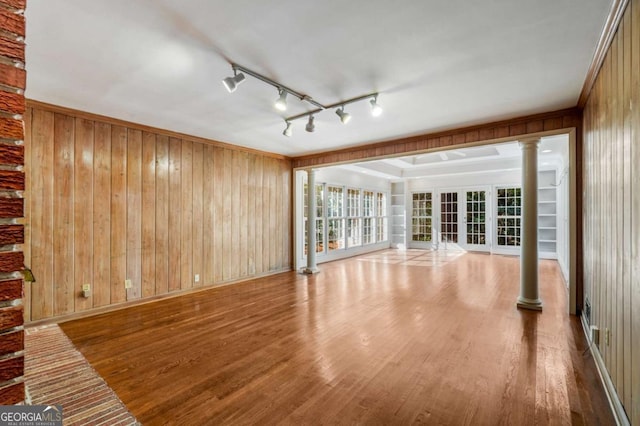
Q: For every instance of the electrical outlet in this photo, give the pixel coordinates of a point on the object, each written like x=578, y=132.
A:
x=607, y=336
x=86, y=287
x=127, y=284
x=197, y=278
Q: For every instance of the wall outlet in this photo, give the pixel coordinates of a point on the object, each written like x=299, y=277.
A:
x=86, y=287
x=595, y=335
x=127, y=284
x=197, y=278
x=607, y=336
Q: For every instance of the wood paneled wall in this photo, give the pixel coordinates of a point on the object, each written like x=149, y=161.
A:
x=12, y=185
x=612, y=209
x=109, y=201
x=496, y=131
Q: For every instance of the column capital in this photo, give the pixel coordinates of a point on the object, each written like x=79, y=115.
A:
x=532, y=142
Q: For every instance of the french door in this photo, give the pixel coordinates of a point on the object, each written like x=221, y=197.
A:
x=464, y=218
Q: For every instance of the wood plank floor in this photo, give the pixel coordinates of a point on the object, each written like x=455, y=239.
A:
x=368, y=340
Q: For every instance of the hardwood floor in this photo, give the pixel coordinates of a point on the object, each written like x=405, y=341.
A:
x=368, y=340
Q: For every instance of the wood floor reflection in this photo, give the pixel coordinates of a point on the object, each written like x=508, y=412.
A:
x=364, y=341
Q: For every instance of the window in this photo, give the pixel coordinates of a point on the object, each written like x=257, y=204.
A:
x=381, y=217
x=508, y=216
x=368, y=219
x=335, y=217
x=354, y=221
x=319, y=219
x=421, y=220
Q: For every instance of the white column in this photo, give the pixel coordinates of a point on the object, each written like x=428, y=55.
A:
x=311, y=268
x=529, y=292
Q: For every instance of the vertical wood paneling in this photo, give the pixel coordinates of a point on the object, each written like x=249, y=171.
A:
x=227, y=218
x=243, y=168
x=635, y=208
x=175, y=207
x=186, y=243
x=625, y=78
x=235, y=214
x=251, y=225
x=260, y=212
x=134, y=212
x=41, y=218
x=83, y=211
x=26, y=302
x=118, y=213
x=148, y=214
x=273, y=211
x=162, y=215
x=611, y=206
x=109, y=202
x=209, y=231
x=266, y=210
x=219, y=192
x=197, y=229
x=102, y=215
x=63, y=265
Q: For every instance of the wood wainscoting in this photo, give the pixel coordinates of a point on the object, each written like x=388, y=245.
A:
x=376, y=339
x=109, y=201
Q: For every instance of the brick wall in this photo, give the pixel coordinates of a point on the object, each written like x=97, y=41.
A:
x=12, y=184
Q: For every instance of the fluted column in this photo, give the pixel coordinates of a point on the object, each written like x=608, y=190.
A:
x=529, y=291
x=311, y=268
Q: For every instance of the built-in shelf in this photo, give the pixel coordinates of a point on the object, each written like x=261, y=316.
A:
x=547, y=210
x=398, y=216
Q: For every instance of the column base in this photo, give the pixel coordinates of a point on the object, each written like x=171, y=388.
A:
x=531, y=304
x=309, y=271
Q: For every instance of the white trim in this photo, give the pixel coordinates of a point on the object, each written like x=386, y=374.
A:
x=614, y=402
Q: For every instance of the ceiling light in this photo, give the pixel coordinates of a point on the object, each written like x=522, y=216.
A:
x=345, y=117
x=289, y=130
x=310, y=126
x=231, y=83
x=239, y=72
x=281, y=102
x=546, y=151
x=376, y=109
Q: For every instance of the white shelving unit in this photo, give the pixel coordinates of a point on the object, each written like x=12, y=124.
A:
x=547, y=214
x=398, y=215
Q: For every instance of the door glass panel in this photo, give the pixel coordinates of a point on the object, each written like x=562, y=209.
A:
x=421, y=217
x=449, y=216
x=508, y=216
x=476, y=217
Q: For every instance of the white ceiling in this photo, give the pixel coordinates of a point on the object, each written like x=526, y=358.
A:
x=437, y=64
x=553, y=153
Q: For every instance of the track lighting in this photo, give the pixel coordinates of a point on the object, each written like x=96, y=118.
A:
x=281, y=102
x=231, y=83
x=289, y=130
x=376, y=109
x=345, y=117
x=310, y=126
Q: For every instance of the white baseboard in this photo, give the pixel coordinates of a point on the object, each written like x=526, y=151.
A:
x=616, y=406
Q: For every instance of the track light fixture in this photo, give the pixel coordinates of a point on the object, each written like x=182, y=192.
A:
x=345, y=117
x=289, y=130
x=281, y=102
x=310, y=126
x=231, y=83
x=376, y=109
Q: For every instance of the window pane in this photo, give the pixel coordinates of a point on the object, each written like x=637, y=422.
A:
x=508, y=216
